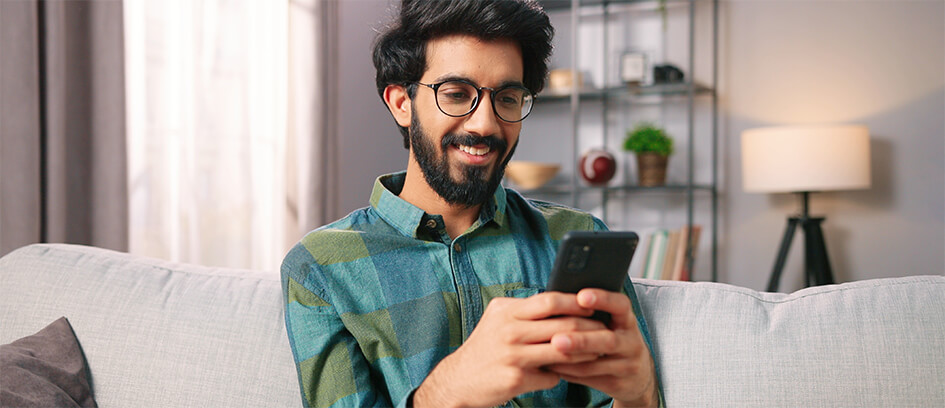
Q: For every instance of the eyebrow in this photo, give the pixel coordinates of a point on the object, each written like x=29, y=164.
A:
x=455, y=77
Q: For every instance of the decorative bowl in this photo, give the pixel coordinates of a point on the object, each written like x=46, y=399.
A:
x=530, y=175
x=560, y=81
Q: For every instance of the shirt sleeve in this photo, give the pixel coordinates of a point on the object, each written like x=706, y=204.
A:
x=332, y=369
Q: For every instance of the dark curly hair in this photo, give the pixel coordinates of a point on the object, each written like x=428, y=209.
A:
x=400, y=51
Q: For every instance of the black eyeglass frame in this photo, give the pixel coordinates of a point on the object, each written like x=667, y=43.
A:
x=492, y=92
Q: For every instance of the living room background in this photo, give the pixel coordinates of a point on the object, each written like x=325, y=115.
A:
x=230, y=127
x=217, y=150
x=877, y=63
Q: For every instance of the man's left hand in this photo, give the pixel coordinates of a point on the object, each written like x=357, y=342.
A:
x=624, y=370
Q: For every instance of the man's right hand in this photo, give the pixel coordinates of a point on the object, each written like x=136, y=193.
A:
x=504, y=355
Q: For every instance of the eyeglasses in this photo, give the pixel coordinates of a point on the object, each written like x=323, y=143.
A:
x=458, y=98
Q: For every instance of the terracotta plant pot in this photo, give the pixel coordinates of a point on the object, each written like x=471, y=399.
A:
x=651, y=169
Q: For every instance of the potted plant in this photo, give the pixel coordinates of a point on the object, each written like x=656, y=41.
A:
x=652, y=147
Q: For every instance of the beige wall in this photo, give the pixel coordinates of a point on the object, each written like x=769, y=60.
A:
x=878, y=63
x=369, y=143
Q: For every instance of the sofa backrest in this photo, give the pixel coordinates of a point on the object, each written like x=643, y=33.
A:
x=156, y=333
x=873, y=343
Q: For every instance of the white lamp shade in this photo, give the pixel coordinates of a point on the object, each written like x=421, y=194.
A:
x=805, y=158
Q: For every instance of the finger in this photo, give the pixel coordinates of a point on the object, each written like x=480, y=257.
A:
x=613, y=342
x=541, y=331
x=542, y=355
x=539, y=379
x=602, y=366
x=615, y=303
x=549, y=304
x=603, y=383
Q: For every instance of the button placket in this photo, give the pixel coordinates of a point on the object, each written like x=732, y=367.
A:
x=469, y=291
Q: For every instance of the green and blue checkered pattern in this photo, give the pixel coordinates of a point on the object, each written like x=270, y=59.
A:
x=375, y=300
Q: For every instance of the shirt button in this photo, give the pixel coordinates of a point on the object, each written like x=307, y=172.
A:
x=431, y=224
x=458, y=248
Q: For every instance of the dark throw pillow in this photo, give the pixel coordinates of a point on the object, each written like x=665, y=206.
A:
x=46, y=369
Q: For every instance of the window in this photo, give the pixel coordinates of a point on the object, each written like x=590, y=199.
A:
x=206, y=103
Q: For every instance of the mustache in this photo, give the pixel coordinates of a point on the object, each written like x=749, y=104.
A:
x=492, y=142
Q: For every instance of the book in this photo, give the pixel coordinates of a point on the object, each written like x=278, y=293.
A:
x=669, y=253
x=639, y=263
x=686, y=272
x=669, y=256
x=680, y=255
x=656, y=255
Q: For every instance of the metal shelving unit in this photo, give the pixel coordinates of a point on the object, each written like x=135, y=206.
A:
x=636, y=94
x=610, y=97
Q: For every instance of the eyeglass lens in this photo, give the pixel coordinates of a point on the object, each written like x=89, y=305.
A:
x=457, y=98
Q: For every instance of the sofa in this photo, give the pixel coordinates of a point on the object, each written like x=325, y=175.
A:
x=158, y=333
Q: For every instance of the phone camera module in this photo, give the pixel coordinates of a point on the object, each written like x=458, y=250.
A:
x=577, y=258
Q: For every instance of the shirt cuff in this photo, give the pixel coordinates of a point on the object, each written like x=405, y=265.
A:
x=407, y=401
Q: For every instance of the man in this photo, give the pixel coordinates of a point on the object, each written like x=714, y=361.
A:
x=431, y=296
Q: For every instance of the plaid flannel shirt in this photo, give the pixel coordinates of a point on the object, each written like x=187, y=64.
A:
x=375, y=300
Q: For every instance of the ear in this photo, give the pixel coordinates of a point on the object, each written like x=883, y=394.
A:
x=398, y=102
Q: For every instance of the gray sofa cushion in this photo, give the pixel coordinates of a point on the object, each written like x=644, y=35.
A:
x=156, y=333
x=875, y=343
x=164, y=334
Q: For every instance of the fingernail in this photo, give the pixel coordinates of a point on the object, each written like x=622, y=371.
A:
x=588, y=297
x=562, y=342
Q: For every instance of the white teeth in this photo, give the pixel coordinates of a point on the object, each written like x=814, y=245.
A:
x=474, y=151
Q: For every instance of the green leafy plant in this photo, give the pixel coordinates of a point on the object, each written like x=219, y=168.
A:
x=648, y=138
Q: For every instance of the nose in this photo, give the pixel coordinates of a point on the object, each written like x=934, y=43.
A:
x=483, y=121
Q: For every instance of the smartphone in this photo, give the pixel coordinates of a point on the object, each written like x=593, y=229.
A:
x=593, y=259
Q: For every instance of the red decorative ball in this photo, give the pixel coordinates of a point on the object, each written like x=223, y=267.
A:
x=597, y=166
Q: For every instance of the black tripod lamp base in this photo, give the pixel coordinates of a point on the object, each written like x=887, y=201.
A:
x=816, y=262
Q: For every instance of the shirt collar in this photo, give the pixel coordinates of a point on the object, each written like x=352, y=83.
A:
x=496, y=208
x=407, y=218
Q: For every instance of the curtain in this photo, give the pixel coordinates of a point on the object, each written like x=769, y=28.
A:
x=226, y=164
x=312, y=165
x=62, y=141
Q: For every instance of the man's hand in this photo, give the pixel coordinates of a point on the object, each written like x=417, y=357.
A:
x=506, y=353
x=625, y=370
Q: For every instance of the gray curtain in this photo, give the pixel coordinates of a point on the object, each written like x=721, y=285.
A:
x=62, y=124
x=312, y=162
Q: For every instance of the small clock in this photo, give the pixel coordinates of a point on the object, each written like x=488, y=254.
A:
x=633, y=68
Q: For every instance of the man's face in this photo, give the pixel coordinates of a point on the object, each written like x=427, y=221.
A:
x=463, y=159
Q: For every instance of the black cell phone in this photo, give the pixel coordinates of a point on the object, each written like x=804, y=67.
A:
x=593, y=259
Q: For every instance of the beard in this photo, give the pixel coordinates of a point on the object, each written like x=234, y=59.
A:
x=476, y=184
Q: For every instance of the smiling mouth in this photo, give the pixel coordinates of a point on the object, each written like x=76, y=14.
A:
x=475, y=151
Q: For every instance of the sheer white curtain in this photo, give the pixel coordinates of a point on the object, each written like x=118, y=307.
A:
x=207, y=116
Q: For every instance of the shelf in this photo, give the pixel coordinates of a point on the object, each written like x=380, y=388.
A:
x=550, y=5
x=598, y=114
x=566, y=189
x=626, y=91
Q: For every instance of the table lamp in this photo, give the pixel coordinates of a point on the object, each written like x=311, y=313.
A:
x=802, y=160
